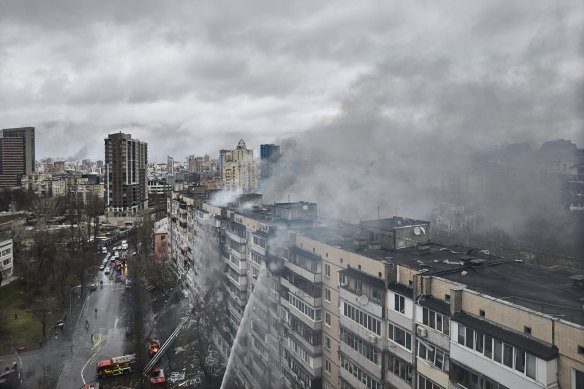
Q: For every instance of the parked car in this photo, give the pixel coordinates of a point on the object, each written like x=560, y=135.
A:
x=107, y=270
x=101, y=267
x=92, y=287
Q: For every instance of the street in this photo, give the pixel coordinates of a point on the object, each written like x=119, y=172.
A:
x=109, y=326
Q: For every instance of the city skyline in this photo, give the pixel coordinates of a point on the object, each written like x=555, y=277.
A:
x=271, y=75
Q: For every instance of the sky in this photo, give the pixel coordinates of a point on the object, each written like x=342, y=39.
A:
x=192, y=77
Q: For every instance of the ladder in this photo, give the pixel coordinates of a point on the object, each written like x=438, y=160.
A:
x=164, y=347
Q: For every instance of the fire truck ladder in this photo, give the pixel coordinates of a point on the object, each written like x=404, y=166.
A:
x=164, y=347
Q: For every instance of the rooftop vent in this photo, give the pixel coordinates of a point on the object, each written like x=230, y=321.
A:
x=578, y=280
x=360, y=243
x=374, y=245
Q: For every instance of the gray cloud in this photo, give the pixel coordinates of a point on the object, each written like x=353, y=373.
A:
x=190, y=76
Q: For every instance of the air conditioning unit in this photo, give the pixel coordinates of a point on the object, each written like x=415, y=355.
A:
x=422, y=332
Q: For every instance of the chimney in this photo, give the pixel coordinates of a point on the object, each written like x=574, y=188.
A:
x=456, y=300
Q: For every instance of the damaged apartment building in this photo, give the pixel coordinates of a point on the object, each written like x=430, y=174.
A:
x=375, y=304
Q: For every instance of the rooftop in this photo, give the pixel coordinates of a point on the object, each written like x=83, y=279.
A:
x=546, y=290
x=394, y=222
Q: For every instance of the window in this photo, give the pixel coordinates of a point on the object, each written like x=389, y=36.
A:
x=578, y=379
x=447, y=297
x=365, y=320
x=399, y=303
x=482, y=313
x=313, y=314
x=400, y=336
x=327, y=270
x=433, y=356
x=358, y=373
x=400, y=368
x=437, y=321
x=581, y=350
x=327, y=319
x=327, y=342
x=425, y=383
x=327, y=295
x=527, y=330
x=361, y=346
x=510, y=356
x=327, y=366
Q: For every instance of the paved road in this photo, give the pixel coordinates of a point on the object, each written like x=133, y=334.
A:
x=109, y=338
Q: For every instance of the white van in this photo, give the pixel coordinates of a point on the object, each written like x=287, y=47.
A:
x=106, y=271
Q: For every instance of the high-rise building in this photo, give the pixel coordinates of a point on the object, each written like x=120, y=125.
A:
x=17, y=156
x=239, y=170
x=125, y=179
x=269, y=155
x=170, y=165
x=315, y=304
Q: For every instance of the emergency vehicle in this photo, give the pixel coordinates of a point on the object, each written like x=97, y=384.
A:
x=116, y=366
x=157, y=379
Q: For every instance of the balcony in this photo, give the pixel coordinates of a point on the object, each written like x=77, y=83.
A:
x=239, y=266
x=234, y=237
x=239, y=284
x=314, y=301
x=310, y=276
x=362, y=303
x=373, y=369
x=258, y=249
x=311, y=348
x=314, y=325
x=237, y=254
x=314, y=369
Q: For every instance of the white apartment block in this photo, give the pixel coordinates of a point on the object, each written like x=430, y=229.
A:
x=6, y=258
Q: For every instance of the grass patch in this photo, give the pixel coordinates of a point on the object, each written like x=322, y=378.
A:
x=26, y=329
x=8, y=295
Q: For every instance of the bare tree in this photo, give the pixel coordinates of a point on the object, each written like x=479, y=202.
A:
x=207, y=319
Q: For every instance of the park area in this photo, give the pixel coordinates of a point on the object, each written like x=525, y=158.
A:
x=21, y=316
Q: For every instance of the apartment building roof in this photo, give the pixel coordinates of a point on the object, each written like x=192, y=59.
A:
x=390, y=224
x=545, y=290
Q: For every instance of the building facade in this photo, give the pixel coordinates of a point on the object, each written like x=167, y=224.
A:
x=239, y=171
x=6, y=259
x=126, y=160
x=17, y=155
x=375, y=305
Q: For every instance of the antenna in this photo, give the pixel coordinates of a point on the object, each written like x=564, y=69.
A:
x=378, y=212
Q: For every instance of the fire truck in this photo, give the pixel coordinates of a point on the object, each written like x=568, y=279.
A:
x=157, y=379
x=116, y=366
x=153, y=347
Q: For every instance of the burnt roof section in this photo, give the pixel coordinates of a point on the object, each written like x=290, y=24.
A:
x=358, y=274
x=435, y=305
x=390, y=224
x=540, y=349
x=401, y=289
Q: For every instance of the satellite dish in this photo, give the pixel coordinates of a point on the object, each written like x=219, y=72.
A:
x=417, y=230
x=305, y=207
x=363, y=299
x=423, y=230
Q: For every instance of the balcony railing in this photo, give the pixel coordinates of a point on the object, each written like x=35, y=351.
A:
x=310, y=276
x=234, y=237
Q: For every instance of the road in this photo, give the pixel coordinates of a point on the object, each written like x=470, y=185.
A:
x=109, y=327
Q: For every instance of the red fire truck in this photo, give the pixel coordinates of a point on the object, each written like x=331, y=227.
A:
x=157, y=379
x=116, y=366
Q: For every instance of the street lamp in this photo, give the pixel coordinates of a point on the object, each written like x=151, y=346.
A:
x=70, y=305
